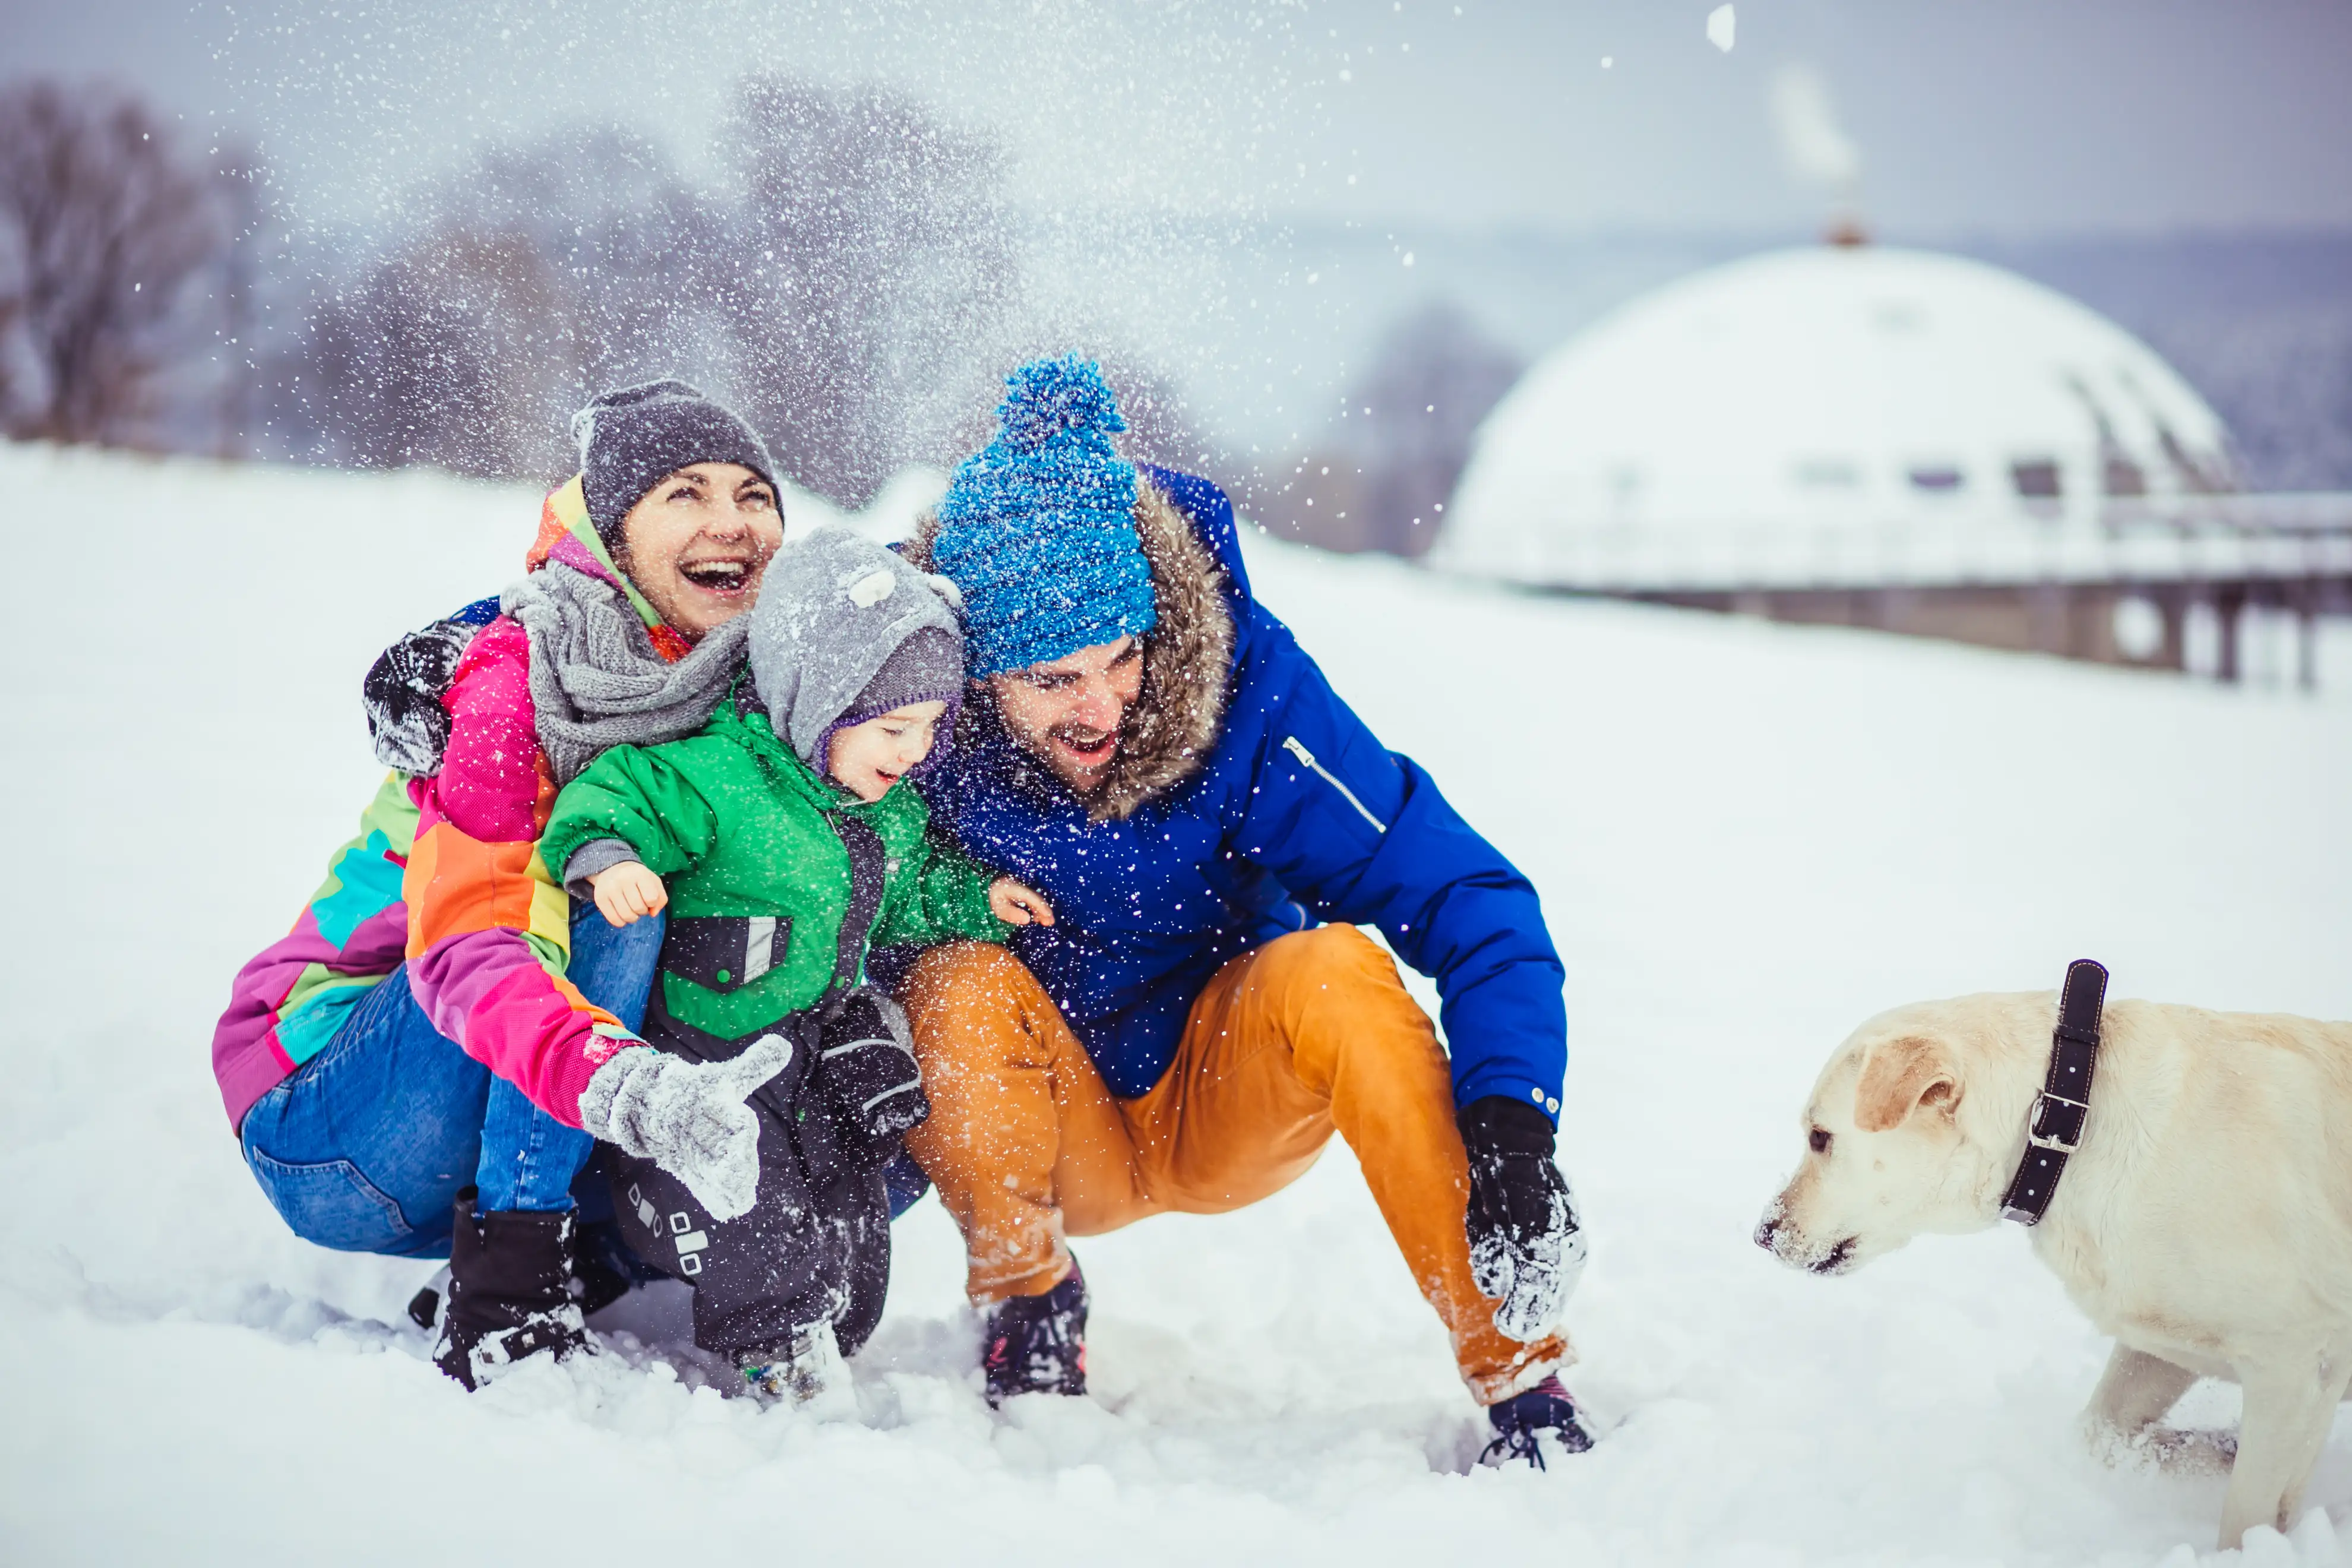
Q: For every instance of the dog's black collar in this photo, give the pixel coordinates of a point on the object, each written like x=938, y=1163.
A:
x=2054, y=1129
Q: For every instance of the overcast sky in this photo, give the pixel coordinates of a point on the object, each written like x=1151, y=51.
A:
x=2018, y=117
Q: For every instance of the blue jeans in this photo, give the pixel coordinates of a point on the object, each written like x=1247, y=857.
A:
x=365, y=1148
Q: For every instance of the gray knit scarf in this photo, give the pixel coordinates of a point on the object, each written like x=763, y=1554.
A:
x=596, y=682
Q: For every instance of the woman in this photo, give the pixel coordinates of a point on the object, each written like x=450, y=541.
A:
x=404, y=1069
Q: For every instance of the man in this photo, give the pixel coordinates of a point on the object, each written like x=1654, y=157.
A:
x=1152, y=750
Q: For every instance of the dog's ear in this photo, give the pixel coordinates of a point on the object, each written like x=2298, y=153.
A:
x=1913, y=1073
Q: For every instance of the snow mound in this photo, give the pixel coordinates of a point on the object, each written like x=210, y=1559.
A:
x=1749, y=838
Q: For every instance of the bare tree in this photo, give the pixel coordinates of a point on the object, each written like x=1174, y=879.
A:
x=1413, y=418
x=849, y=299
x=870, y=278
x=108, y=228
x=237, y=182
x=633, y=246
x=554, y=268
x=14, y=356
x=458, y=351
x=1385, y=469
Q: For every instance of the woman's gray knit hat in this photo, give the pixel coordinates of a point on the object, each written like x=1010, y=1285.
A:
x=845, y=631
x=633, y=439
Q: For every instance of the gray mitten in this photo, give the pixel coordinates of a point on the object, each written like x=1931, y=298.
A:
x=688, y=1117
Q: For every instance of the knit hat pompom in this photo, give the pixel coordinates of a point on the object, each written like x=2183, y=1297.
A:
x=1037, y=528
x=633, y=439
x=1049, y=397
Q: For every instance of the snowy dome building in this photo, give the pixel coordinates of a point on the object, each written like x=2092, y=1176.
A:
x=1839, y=414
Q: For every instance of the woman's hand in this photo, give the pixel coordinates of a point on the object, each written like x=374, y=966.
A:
x=628, y=892
x=1008, y=901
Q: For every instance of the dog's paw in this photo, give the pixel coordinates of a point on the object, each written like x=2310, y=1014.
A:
x=2171, y=1450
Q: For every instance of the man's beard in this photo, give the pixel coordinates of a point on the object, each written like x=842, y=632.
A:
x=1041, y=762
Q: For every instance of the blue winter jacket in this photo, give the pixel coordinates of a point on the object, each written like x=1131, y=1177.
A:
x=1300, y=815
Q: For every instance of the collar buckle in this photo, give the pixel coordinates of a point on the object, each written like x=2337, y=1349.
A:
x=2056, y=1123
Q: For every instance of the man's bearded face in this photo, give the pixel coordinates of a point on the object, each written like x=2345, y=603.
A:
x=1071, y=714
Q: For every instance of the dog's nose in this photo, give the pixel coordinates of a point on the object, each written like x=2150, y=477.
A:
x=1765, y=1231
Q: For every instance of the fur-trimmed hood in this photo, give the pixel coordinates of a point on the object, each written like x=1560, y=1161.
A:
x=1187, y=660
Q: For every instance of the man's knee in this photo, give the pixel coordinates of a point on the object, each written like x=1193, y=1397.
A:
x=1338, y=987
x=961, y=977
x=1334, y=965
x=968, y=966
x=967, y=1002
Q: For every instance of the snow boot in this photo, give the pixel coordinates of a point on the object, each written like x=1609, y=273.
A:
x=510, y=1292
x=807, y=1371
x=600, y=1277
x=1528, y=1426
x=1037, y=1345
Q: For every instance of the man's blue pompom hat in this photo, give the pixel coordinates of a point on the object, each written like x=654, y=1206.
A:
x=1037, y=528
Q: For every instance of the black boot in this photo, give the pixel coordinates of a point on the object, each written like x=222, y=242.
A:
x=600, y=1277
x=1539, y=1421
x=1037, y=1345
x=510, y=1292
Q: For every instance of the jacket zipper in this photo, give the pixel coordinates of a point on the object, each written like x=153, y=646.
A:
x=1297, y=749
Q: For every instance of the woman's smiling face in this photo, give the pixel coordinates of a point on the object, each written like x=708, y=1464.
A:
x=697, y=544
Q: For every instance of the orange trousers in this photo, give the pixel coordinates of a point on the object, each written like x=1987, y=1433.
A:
x=1310, y=1033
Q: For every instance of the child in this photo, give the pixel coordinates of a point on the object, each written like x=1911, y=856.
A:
x=781, y=845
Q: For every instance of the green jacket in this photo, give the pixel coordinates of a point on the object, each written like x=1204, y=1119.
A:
x=736, y=827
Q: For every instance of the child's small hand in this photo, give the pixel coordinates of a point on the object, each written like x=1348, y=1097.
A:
x=628, y=892
x=1016, y=905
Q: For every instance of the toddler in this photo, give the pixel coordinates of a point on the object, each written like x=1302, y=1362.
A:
x=782, y=841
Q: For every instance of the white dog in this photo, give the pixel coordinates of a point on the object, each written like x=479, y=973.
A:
x=2205, y=1221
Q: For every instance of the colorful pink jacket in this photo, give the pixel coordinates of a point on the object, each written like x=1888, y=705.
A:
x=446, y=874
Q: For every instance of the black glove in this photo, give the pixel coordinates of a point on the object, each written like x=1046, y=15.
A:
x=402, y=694
x=1526, y=1246
x=866, y=1059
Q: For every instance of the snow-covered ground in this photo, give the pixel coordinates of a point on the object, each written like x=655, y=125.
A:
x=1748, y=837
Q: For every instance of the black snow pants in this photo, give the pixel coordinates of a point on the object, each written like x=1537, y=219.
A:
x=815, y=1247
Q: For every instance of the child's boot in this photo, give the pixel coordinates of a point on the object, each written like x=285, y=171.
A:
x=807, y=1372
x=1037, y=1345
x=510, y=1292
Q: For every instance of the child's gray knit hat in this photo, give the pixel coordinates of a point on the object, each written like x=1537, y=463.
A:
x=845, y=631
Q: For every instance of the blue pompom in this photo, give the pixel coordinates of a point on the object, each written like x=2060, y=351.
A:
x=1047, y=396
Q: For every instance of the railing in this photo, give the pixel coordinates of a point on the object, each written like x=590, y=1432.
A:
x=2201, y=539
